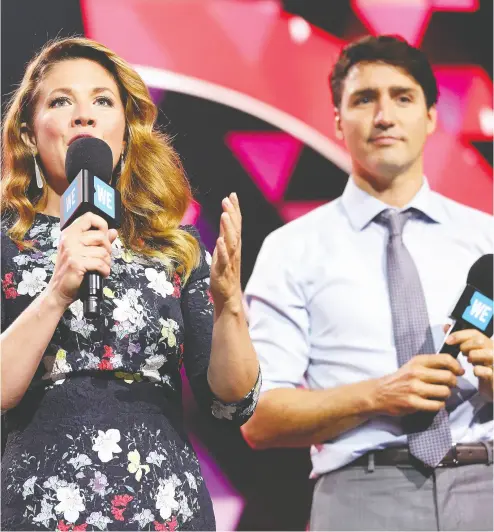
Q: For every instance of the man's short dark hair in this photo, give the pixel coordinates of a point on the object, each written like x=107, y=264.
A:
x=388, y=49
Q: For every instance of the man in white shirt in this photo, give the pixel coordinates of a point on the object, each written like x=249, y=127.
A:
x=401, y=436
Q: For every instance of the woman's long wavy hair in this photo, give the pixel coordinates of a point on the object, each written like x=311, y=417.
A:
x=155, y=191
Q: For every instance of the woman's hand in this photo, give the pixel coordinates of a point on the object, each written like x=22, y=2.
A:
x=85, y=246
x=225, y=268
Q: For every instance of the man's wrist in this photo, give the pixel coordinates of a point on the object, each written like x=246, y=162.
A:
x=374, y=404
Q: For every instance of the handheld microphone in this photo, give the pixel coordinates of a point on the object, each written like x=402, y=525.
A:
x=474, y=308
x=88, y=167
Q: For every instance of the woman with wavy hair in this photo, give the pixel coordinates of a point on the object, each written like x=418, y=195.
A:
x=93, y=407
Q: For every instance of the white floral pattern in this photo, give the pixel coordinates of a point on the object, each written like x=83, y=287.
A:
x=131, y=466
x=155, y=458
x=159, y=282
x=184, y=509
x=79, y=461
x=78, y=323
x=106, y=444
x=191, y=480
x=144, y=518
x=53, y=483
x=165, y=501
x=46, y=514
x=71, y=503
x=151, y=367
x=164, y=504
x=32, y=282
x=55, y=234
x=99, y=520
x=222, y=411
x=129, y=312
x=28, y=486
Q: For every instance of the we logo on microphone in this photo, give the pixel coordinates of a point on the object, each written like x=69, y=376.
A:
x=104, y=197
x=479, y=312
x=71, y=199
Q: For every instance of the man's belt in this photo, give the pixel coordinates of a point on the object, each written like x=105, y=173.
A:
x=460, y=454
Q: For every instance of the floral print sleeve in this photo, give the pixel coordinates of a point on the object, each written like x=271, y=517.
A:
x=197, y=310
x=98, y=441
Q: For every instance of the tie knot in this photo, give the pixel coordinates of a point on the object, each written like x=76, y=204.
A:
x=395, y=221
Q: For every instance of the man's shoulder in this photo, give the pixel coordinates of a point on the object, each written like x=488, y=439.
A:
x=463, y=214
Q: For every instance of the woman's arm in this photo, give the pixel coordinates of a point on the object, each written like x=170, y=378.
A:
x=233, y=368
x=23, y=343
x=84, y=246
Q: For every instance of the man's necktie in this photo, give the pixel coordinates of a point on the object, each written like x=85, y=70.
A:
x=429, y=435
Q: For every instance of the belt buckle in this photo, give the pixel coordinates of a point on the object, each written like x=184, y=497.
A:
x=455, y=457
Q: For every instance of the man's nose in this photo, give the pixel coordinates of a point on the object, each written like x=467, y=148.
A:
x=384, y=117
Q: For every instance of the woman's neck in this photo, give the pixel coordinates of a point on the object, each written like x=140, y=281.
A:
x=52, y=207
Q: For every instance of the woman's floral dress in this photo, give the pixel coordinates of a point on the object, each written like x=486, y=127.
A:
x=97, y=442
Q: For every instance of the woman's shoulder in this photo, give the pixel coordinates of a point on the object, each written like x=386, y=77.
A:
x=6, y=222
x=203, y=267
x=8, y=247
x=192, y=230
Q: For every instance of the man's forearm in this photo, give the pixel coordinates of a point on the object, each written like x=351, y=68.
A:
x=287, y=417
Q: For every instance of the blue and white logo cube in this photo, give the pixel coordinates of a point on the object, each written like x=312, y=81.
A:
x=104, y=197
x=479, y=313
x=71, y=199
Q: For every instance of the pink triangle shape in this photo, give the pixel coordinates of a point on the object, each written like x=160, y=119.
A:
x=479, y=101
x=450, y=110
x=291, y=210
x=268, y=157
x=192, y=213
x=456, y=79
x=454, y=87
x=247, y=24
x=455, y=5
x=408, y=19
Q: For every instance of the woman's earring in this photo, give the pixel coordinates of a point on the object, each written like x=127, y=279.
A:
x=39, y=179
x=121, y=163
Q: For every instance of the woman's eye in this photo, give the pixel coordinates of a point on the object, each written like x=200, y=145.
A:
x=105, y=101
x=363, y=99
x=59, y=102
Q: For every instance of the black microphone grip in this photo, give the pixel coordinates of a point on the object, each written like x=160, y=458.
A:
x=91, y=294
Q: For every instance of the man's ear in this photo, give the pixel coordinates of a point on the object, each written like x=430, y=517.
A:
x=28, y=137
x=337, y=124
x=431, y=119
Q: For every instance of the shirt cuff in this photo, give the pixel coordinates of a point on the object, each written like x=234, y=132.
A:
x=240, y=411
